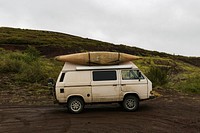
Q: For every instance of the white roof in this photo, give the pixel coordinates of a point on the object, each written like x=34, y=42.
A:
x=68, y=66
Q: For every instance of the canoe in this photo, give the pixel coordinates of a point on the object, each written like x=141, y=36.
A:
x=97, y=58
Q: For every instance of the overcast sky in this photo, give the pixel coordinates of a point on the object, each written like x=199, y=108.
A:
x=171, y=26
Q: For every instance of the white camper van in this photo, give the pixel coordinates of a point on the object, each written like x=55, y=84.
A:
x=124, y=83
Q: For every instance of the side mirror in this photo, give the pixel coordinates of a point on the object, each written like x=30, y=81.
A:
x=139, y=75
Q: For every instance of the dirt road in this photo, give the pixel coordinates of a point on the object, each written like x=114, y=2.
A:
x=171, y=112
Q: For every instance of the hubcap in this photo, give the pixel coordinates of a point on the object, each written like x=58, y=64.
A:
x=130, y=103
x=76, y=105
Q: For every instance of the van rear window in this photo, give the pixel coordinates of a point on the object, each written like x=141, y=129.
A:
x=104, y=75
x=62, y=77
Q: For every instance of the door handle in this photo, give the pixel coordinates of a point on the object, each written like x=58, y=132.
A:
x=114, y=84
x=123, y=84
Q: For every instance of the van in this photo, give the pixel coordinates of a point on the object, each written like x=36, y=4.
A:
x=78, y=85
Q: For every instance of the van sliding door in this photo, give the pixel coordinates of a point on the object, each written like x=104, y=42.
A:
x=105, y=86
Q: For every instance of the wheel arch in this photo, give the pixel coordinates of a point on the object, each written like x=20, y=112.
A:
x=72, y=96
x=131, y=94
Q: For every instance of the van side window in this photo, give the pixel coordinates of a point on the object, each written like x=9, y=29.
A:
x=62, y=77
x=130, y=75
x=104, y=75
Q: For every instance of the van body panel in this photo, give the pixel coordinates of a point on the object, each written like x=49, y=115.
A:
x=149, y=88
x=135, y=86
x=139, y=89
x=83, y=91
x=74, y=78
x=105, y=91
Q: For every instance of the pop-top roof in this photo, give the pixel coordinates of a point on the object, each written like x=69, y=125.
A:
x=74, y=67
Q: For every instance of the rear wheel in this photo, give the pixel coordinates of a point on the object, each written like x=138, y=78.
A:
x=75, y=105
x=131, y=103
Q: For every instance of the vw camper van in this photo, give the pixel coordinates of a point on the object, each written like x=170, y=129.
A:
x=78, y=85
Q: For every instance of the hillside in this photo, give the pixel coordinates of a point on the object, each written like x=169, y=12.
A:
x=51, y=44
x=26, y=63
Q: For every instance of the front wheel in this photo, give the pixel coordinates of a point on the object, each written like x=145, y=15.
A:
x=75, y=105
x=131, y=103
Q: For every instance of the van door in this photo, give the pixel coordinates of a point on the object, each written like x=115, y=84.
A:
x=131, y=82
x=105, y=86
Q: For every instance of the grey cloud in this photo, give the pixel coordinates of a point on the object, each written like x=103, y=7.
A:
x=167, y=25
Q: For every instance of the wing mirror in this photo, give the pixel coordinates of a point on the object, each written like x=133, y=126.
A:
x=139, y=75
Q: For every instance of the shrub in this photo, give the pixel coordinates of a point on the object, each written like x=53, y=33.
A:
x=158, y=76
x=11, y=62
x=32, y=73
x=26, y=67
x=32, y=54
x=14, y=66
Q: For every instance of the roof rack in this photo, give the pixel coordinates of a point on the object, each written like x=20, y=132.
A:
x=79, y=68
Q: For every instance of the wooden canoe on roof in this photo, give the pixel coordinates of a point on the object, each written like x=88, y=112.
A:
x=97, y=58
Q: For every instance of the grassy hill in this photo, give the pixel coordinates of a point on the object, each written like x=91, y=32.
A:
x=51, y=44
x=26, y=63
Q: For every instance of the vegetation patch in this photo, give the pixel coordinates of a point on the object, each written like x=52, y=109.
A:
x=24, y=76
x=28, y=66
x=158, y=76
x=189, y=85
x=170, y=73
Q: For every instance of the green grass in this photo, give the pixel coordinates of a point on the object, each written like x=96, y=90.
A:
x=28, y=66
x=189, y=85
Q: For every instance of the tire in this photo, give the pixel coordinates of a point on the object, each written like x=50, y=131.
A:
x=131, y=103
x=75, y=105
